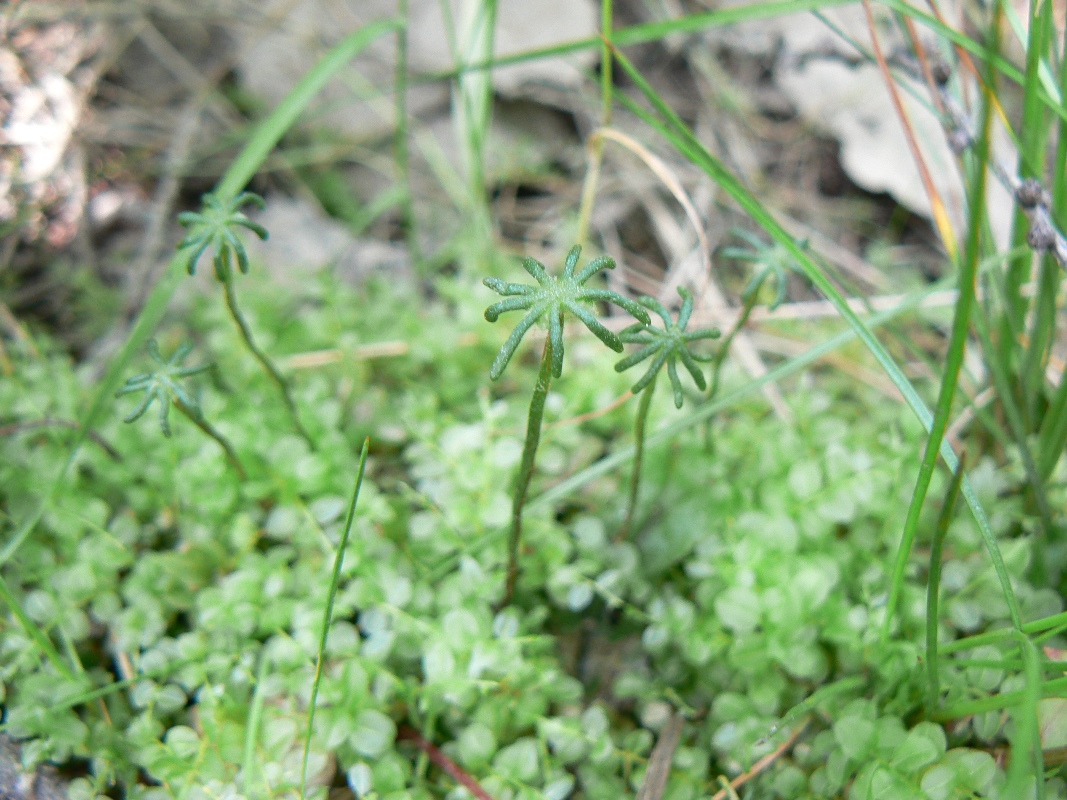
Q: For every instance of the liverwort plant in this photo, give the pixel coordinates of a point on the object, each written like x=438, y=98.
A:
x=550, y=298
x=163, y=385
x=215, y=227
x=769, y=261
x=669, y=345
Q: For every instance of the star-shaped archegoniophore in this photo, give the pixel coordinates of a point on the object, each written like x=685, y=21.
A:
x=215, y=226
x=162, y=385
x=768, y=260
x=668, y=344
x=552, y=296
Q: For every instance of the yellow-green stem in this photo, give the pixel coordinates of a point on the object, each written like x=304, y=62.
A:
x=261, y=357
x=529, y=453
x=199, y=421
x=596, y=141
x=639, y=451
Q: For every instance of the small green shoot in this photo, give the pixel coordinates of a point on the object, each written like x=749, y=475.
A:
x=768, y=261
x=327, y=616
x=215, y=227
x=668, y=345
x=552, y=297
x=163, y=385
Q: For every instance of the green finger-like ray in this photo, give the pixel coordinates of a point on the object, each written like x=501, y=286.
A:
x=555, y=335
x=657, y=306
x=636, y=358
x=505, y=288
x=536, y=270
x=571, y=262
x=593, y=267
x=141, y=408
x=511, y=304
x=603, y=334
x=687, y=308
x=164, y=414
x=512, y=343
x=676, y=383
x=592, y=295
x=652, y=372
x=693, y=368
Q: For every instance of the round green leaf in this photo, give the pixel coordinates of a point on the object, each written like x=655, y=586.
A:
x=373, y=734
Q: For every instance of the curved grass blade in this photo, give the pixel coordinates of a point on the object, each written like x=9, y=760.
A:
x=335, y=580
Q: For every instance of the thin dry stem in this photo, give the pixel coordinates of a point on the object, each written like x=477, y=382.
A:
x=760, y=765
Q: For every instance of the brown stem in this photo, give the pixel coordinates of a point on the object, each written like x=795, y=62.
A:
x=408, y=734
x=195, y=417
x=52, y=422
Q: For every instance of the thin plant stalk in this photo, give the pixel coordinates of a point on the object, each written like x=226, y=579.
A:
x=529, y=453
x=749, y=304
x=933, y=586
x=401, y=152
x=1052, y=435
x=200, y=421
x=254, y=727
x=474, y=98
x=596, y=142
x=327, y=615
x=262, y=358
x=639, y=451
x=1026, y=741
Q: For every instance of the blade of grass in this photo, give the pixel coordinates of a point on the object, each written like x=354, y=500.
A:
x=1020, y=438
x=252, y=729
x=694, y=23
x=327, y=615
x=33, y=630
x=1033, y=147
x=1027, y=738
x=595, y=144
x=1056, y=622
x=678, y=133
x=1052, y=434
x=933, y=585
x=244, y=167
x=999, y=702
x=967, y=269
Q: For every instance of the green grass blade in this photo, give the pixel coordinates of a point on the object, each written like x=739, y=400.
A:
x=33, y=630
x=327, y=616
x=999, y=702
x=1055, y=624
x=285, y=115
x=648, y=32
x=1026, y=743
x=933, y=585
x=961, y=322
x=1052, y=435
x=244, y=167
x=1033, y=147
x=675, y=131
x=250, y=758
